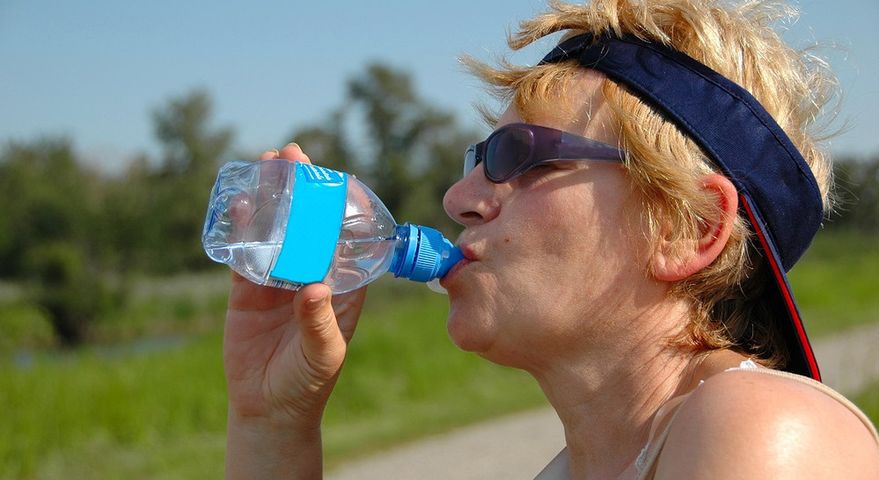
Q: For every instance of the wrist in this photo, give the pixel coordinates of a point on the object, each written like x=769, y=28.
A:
x=278, y=427
x=264, y=448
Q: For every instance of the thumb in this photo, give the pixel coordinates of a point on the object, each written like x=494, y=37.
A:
x=322, y=342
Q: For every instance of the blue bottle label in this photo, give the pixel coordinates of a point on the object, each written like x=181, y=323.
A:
x=316, y=212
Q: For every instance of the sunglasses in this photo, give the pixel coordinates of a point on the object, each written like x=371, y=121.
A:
x=518, y=147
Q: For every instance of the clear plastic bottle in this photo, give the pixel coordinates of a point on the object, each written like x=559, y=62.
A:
x=286, y=224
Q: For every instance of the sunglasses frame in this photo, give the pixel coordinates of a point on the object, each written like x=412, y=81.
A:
x=547, y=145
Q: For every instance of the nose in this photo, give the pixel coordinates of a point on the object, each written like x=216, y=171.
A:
x=473, y=200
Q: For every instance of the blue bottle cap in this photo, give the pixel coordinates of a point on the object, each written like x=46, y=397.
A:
x=428, y=254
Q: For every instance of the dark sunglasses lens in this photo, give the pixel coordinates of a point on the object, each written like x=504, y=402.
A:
x=507, y=152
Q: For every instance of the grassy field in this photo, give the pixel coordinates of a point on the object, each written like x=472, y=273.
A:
x=157, y=409
x=836, y=284
x=126, y=407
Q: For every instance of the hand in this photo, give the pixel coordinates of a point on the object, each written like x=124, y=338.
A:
x=282, y=353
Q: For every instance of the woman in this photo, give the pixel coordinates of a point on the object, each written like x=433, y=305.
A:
x=627, y=229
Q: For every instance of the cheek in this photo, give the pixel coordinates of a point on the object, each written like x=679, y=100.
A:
x=539, y=263
x=555, y=229
x=572, y=244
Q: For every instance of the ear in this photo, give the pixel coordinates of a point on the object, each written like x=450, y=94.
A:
x=677, y=260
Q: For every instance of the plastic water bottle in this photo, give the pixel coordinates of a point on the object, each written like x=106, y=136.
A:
x=286, y=224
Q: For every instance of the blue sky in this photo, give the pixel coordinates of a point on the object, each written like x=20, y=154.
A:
x=94, y=70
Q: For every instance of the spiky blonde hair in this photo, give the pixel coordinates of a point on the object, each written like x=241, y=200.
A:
x=737, y=40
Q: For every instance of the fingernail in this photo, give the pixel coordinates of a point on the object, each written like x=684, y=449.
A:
x=293, y=144
x=275, y=151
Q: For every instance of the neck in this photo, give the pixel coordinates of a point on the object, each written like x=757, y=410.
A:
x=607, y=408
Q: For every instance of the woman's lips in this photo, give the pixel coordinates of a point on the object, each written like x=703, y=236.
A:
x=458, y=266
x=469, y=257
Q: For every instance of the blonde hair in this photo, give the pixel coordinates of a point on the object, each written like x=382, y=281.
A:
x=737, y=41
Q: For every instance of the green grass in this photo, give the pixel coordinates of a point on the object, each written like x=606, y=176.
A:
x=101, y=412
x=836, y=284
x=119, y=409
x=23, y=325
x=70, y=405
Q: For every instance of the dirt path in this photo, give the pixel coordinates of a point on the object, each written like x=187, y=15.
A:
x=519, y=446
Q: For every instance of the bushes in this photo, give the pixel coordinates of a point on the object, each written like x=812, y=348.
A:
x=73, y=295
x=857, y=192
x=66, y=230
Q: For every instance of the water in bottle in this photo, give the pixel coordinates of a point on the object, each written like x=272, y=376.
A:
x=286, y=224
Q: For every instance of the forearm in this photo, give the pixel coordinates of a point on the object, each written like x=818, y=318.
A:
x=260, y=450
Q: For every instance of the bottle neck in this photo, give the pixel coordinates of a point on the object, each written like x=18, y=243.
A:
x=422, y=253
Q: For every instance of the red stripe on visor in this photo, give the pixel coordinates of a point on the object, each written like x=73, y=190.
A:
x=808, y=365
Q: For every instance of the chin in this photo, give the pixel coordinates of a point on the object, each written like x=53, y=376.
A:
x=467, y=332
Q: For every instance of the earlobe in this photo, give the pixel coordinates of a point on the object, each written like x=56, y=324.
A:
x=678, y=259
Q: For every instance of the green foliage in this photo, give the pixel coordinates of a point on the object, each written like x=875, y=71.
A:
x=73, y=295
x=835, y=283
x=96, y=402
x=141, y=410
x=49, y=197
x=326, y=144
x=130, y=224
x=70, y=228
x=23, y=326
x=857, y=192
x=191, y=147
x=47, y=238
x=179, y=189
x=152, y=216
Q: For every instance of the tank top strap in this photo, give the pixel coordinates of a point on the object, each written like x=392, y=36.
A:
x=645, y=464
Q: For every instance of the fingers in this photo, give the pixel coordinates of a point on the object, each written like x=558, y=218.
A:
x=273, y=176
x=269, y=154
x=292, y=151
x=322, y=342
x=347, y=308
x=246, y=296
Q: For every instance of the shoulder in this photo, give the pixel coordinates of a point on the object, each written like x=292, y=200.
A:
x=742, y=424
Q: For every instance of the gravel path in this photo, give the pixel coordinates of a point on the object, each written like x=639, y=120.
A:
x=519, y=446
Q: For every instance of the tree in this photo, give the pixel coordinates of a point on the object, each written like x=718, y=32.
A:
x=410, y=151
x=131, y=229
x=327, y=144
x=179, y=189
x=401, y=127
x=71, y=290
x=191, y=146
x=47, y=197
x=857, y=190
x=48, y=233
